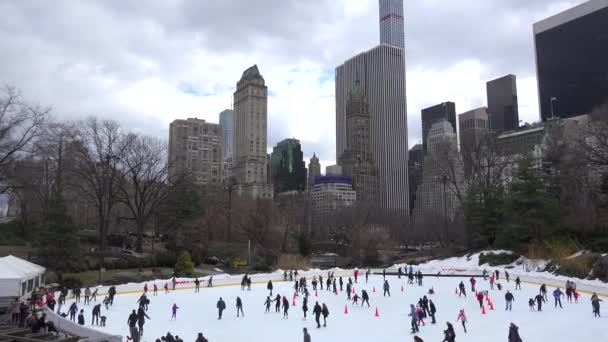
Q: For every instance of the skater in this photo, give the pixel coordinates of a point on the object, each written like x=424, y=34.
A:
x=317, y=311
x=432, y=310
x=76, y=294
x=277, y=307
x=106, y=302
x=239, y=307
x=499, y=286
x=290, y=275
x=558, y=294
x=384, y=274
x=449, y=334
x=576, y=296
x=141, y=320
x=399, y=272
x=81, y=317
x=341, y=283
x=543, y=291
x=356, y=275
x=473, y=281
x=356, y=299
x=497, y=272
x=367, y=275
x=197, y=285
x=166, y=287
x=314, y=283
x=296, y=286
x=267, y=304
x=174, y=311
x=269, y=287
x=221, y=306
x=321, y=281
x=132, y=322
x=173, y=281
x=95, y=314
x=531, y=304
x=145, y=288
x=420, y=315
x=94, y=295
x=325, y=312
x=284, y=275
x=517, y=283
x=87, y=296
x=348, y=291
x=386, y=288
x=111, y=294
x=248, y=283
x=514, y=333
x=364, y=298
x=595, y=304
x=335, y=287
x=201, y=338
x=418, y=339
x=328, y=284
x=463, y=318
x=510, y=299
x=305, y=306
x=155, y=290
x=210, y=282
x=72, y=311
x=480, y=299
x=463, y=290
x=539, y=302
x=285, y=308
x=507, y=275
x=306, y=335
x=414, y=314
x=492, y=282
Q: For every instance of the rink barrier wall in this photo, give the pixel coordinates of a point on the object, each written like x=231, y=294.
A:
x=75, y=329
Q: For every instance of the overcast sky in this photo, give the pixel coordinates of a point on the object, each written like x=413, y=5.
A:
x=146, y=63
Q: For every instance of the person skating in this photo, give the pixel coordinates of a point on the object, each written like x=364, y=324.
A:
x=173, y=282
x=95, y=314
x=321, y=281
x=249, y=283
x=221, y=306
x=87, y=296
x=306, y=335
x=267, y=303
x=142, y=301
x=348, y=290
x=539, y=302
x=558, y=294
x=432, y=310
x=387, y=288
x=155, y=290
x=517, y=283
x=472, y=281
x=507, y=275
x=497, y=272
x=399, y=272
x=296, y=286
x=514, y=333
x=269, y=287
x=414, y=322
x=314, y=283
x=285, y=308
x=106, y=302
x=367, y=275
x=325, y=312
x=418, y=339
x=463, y=318
x=174, y=311
x=146, y=288
x=197, y=285
x=341, y=283
x=576, y=296
x=239, y=307
x=356, y=275
x=595, y=304
x=492, y=282
x=480, y=299
x=111, y=294
x=384, y=274
x=420, y=315
x=356, y=299
x=166, y=287
x=201, y=338
x=76, y=294
x=81, y=317
x=543, y=291
x=210, y=282
x=425, y=305
x=510, y=299
x=132, y=322
x=449, y=335
x=277, y=306
x=305, y=306
x=532, y=304
x=328, y=284
x=94, y=295
x=463, y=290
x=334, y=285
x=317, y=311
x=364, y=298
x=72, y=311
x=141, y=320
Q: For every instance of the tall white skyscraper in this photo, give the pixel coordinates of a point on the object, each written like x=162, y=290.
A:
x=391, y=23
x=227, y=122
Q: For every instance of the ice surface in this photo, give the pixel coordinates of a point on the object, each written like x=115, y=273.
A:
x=198, y=313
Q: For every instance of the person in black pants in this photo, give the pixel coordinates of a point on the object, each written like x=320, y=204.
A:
x=95, y=314
x=364, y=298
x=387, y=288
x=325, y=312
x=239, y=307
x=317, y=310
x=433, y=310
x=73, y=310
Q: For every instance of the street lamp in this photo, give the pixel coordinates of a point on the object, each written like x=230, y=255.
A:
x=552, y=100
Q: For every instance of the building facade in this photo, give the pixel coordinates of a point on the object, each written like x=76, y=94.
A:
x=196, y=147
x=314, y=170
x=473, y=126
x=414, y=171
x=357, y=161
x=330, y=194
x=227, y=122
x=571, y=53
x=250, y=132
x=391, y=23
x=502, y=103
x=286, y=168
x=437, y=113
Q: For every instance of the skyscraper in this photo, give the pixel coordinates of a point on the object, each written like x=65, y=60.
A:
x=196, y=148
x=357, y=160
x=249, y=141
x=381, y=71
x=286, y=168
x=443, y=111
x=414, y=169
x=391, y=23
x=227, y=121
x=571, y=54
x=502, y=103
x=314, y=170
x=473, y=126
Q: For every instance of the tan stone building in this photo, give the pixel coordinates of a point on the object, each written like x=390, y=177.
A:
x=196, y=148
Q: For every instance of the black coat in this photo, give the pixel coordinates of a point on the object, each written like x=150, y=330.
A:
x=514, y=334
x=317, y=310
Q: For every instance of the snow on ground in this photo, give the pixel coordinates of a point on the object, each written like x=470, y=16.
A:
x=197, y=313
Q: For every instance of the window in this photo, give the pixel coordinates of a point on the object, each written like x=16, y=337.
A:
x=30, y=285
x=23, y=288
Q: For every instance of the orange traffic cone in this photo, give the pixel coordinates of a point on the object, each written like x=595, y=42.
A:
x=295, y=295
x=353, y=290
x=316, y=294
x=294, y=302
x=345, y=309
x=483, y=310
x=401, y=288
x=377, y=314
x=491, y=305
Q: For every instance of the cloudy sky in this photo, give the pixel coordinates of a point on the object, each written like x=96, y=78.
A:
x=146, y=63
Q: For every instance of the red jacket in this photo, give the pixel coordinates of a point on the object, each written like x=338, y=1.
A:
x=479, y=296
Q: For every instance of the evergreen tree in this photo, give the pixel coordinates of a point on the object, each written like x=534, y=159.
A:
x=484, y=215
x=184, y=264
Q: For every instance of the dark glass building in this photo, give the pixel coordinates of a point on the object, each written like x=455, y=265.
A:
x=442, y=111
x=502, y=103
x=286, y=169
x=572, y=60
x=414, y=170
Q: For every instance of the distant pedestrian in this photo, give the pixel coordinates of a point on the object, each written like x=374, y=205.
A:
x=174, y=311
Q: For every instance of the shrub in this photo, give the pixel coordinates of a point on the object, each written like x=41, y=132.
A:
x=165, y=260
x=262, y=268
x=184, y=264
x=120, y=264
x=600, y=269
x=71, y=283
x=236, y=262
x=497, y=259
x=578, y=267
x=293, y=262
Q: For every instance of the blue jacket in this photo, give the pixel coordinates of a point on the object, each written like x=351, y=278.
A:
x=557, y=293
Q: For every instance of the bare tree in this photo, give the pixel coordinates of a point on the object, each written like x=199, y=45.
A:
x=20, y=124
x=100, y=148
x=143, y=188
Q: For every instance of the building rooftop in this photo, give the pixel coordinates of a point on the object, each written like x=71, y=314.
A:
x=252, y=73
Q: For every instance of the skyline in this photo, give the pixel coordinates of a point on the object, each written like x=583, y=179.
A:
x=146, y=67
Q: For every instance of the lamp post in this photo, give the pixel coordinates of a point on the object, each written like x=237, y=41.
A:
x=553, y=99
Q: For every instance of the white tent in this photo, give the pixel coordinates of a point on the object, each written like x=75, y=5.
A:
x=19, y=277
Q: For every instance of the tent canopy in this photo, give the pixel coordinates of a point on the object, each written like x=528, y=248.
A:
x=12, y=267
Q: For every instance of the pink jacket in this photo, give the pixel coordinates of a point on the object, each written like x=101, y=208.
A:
x=461, y=317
